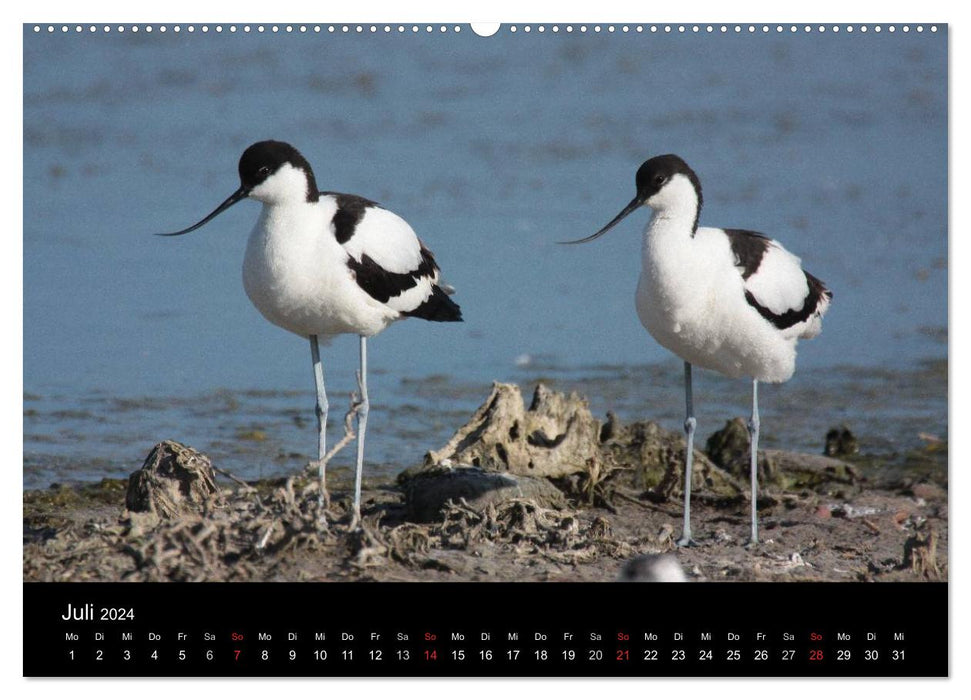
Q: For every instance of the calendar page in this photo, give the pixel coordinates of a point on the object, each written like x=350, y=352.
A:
x=606, y=349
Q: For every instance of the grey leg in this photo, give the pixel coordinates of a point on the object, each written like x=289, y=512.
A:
x=753, y=431
x=689, y=430
x=362, y=413
x=321, y=410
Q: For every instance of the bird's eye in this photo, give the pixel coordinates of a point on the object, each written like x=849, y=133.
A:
x=659, y=179
x=265, y=170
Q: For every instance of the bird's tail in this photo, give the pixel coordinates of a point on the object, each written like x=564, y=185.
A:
x=820, y=296
x=437, y=307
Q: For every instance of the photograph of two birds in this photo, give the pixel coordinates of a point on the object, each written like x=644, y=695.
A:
x=507, y=209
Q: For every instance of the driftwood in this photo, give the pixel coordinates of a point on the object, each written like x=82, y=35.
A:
x=554, y=437
x=174, y=480
x=558, y=438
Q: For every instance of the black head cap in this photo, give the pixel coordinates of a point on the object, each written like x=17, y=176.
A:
x=651, y=178
x=257, y=163
x=654, y=173
x=264, y=158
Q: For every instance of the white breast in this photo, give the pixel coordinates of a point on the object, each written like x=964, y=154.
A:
x=296, y=275
x=691, y=299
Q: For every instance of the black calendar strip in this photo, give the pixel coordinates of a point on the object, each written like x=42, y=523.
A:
x=476, y=629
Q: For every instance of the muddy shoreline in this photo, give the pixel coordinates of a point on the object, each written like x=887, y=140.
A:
x=537, y=492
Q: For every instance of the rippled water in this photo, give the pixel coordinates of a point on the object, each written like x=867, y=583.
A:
x=493, y=149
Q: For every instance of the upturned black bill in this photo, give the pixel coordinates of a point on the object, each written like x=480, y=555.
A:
x=634, y=204
x=236, y=196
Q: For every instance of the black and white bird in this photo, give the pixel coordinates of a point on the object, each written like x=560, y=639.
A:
x=729, y=300
x=320, y=264
x=652, y=568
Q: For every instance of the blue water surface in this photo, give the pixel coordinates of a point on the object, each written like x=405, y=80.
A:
x=493, y=149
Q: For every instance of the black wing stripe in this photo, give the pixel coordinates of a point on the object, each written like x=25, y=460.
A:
x=350, y=211
x=381, y=284
x=817, y=292
x=749, y=247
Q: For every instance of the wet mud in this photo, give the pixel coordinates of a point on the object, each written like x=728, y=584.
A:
x=537, y=491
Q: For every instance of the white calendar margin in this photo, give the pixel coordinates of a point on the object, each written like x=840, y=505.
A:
x=508, y=11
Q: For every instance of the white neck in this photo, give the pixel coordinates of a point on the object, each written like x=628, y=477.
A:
x=672, y=226
x=677, y=202
x=286, y=186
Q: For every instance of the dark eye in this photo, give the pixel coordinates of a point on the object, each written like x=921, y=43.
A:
x=264, y=171
x=659, y=179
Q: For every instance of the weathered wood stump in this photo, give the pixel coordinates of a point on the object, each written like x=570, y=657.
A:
x=174, y=479
x=554, y=437
x=557, y=438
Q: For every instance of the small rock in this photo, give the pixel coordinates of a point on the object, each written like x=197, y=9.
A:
x=731, y=449
x=730, y=444
x=795, y=471
x=847, y=510
x=723, y=537
x=429, y=489
x=665, y=536
x=840, y=442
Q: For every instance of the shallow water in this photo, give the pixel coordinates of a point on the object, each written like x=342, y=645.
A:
x=493, y=149
x=255, y=434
